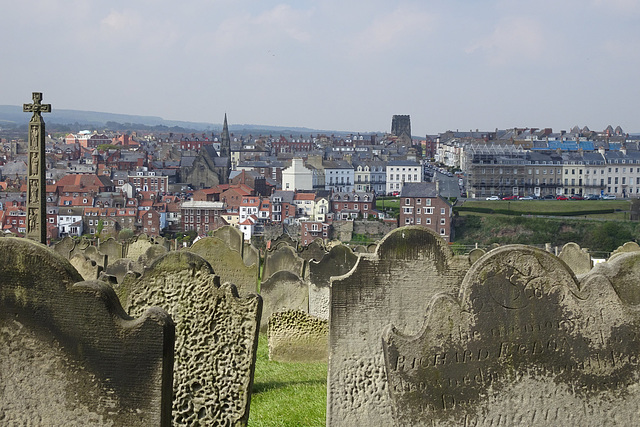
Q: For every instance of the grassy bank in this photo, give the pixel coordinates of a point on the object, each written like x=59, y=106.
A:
x=287, y=394
x=619, y=209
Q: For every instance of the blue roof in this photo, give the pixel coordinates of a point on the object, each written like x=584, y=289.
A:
x=568, y=146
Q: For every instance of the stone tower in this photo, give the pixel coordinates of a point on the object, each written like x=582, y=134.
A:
x=225, y=140
x=401, y=126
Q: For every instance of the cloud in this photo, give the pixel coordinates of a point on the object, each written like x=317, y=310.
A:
x=404, y=26
x=515, y=39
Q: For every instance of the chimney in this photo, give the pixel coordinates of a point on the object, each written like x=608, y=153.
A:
x=437, y=187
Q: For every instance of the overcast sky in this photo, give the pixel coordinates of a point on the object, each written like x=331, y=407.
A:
x=339, y=65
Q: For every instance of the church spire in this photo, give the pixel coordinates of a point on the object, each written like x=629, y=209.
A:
x=225, y=140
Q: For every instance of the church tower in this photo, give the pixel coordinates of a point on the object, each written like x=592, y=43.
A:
x=225, y=140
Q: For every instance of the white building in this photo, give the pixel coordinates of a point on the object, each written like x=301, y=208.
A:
x=400, y=171
x=338, y=176
x=298, y=176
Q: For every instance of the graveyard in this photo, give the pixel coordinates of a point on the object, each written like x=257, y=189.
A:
x=405, y=332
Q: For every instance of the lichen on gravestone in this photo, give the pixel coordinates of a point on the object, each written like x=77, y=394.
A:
x=216, y=337
x=296, y=336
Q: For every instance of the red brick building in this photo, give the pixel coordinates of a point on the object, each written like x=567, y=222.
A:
x=202, y=216
x=352, y=205
x=421, y=204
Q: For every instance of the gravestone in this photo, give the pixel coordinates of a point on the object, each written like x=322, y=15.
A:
x=340, y=260
x=151, y=254
x=410, y=266
x=113, y=249
x=281, y=292
x=216, y=337
x=623, y=272
x=88, y=268
x=120, y=268
x=283, y=240
x=627, y=247
x=314, y=250
x=284, y=258
x=69, y=354
x=65, y=246
x=93, y=254
x=227, y=264
x=475, y=254
x=578, y=259
x=80, y=247
x=250, y=255
x=524, y=344
x=232, y=236
x=137, y=246
x=36, y=182
x=296, y=336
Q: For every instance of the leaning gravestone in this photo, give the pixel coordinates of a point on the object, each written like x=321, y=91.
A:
x=281, y=292
x=576, y=258
x=216, y=337
x=340, y=260
x=227, y=264
x=69, y=354
x=525, y=344
x=284, y=258
x=410, y=266
x=295, y=336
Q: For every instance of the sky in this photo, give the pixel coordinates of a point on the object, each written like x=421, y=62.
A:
x=331, y=65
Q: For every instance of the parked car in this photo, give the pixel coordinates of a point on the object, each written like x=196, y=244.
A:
x=576, y=197
x=526, y=198
x=493, y=198
x=549, y=197
x=608, y=197
x=510, y=198
x=592, y=197
x=561, y=197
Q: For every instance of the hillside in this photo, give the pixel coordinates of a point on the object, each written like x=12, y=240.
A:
x=600, y=233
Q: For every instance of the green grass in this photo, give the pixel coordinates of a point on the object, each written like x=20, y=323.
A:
x=556, y=206
x=287, y=394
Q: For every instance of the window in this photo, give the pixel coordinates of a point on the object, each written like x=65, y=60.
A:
x=407, y=201
x=442, y=211
x=442, y=231
x=418, y=201
x=443, y=221
x=418, y=220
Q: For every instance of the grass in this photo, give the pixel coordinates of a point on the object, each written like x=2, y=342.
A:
x=532, y=207
x=287, y=394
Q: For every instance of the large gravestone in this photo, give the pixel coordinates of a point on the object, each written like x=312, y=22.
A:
x=283, y=291
x=410, y=266
x=65, y=247
x=216, y=337
x=69, y=354
x=295, y=336
x=227, y=264
x=284, y=258
x=524, y=344
x=340, y=260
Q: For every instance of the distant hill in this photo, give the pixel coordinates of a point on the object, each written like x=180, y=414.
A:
x=11, y=115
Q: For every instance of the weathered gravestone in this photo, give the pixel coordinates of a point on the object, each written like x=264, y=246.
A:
x=113, y=249
x=476, y=254
x=69, y=354
x=284, y=258
x=233, y=237
x=216, y=337
x=627, y=247
x=340, y=260
x=65, y=246
x=525, y=344
x=87, y=268
x=281, y=292
x=578, y=259
x=623, y=271
x=410, y=266
x=137, y=246
x=227, y=264
x=295, y=336
x=314, y=250
x=95, y=255
x=119, y=269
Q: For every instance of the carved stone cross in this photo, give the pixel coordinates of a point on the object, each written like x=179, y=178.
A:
x=36, y=183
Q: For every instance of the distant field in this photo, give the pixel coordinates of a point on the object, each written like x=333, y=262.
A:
x=534, y=207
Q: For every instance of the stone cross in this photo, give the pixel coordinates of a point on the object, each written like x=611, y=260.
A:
x=36, y=184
